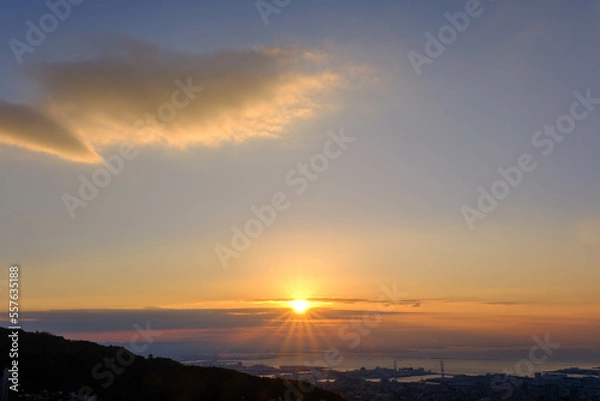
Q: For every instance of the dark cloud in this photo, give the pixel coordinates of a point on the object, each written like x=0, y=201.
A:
x=25, y=126
x=137, y=92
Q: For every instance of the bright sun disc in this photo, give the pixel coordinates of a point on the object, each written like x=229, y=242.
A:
x=299, y=305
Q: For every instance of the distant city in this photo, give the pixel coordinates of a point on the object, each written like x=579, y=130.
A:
x=392, y=384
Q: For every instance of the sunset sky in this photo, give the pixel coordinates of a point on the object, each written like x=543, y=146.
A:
x=212, y=113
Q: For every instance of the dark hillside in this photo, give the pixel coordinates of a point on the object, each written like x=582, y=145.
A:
x=48, y=362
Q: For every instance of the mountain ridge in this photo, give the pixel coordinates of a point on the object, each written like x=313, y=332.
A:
x=53, y=363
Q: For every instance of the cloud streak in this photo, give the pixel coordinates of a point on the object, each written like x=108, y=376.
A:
x=27, y=127
x=87, y=106
x=268, y=329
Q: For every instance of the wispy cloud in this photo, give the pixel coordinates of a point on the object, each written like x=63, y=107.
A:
x=88, y=105
x=25, y=126
x=336, y=301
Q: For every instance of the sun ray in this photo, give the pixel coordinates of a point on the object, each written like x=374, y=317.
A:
x=300, y=306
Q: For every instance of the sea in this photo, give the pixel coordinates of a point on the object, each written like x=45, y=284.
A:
x=452, y=366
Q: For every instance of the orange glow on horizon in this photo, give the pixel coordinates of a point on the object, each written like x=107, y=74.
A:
x=300, y=305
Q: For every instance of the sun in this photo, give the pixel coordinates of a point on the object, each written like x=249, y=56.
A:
x=300, y=305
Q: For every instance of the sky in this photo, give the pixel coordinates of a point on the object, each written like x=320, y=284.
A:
x=198, y=165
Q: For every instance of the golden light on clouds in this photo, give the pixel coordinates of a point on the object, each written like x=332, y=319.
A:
x=150, y=96
x=27, y=127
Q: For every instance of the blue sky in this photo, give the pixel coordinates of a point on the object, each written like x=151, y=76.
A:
x=388, y=209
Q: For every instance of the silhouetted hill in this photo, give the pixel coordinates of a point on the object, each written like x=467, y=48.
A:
x=49, y=362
